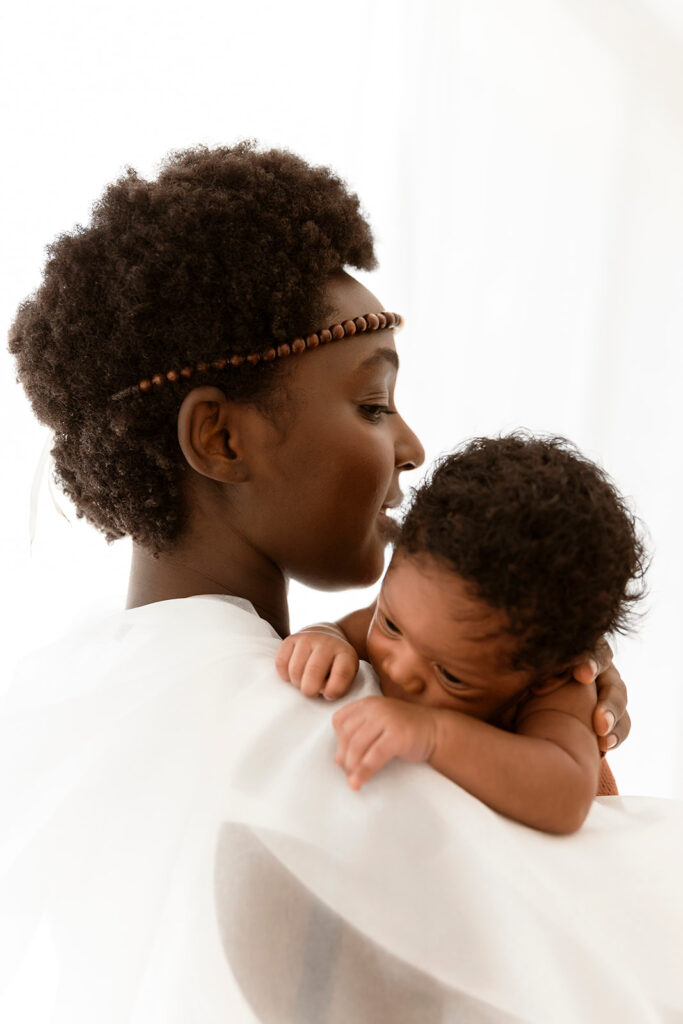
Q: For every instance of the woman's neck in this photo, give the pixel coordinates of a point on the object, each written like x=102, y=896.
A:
x=187, y=572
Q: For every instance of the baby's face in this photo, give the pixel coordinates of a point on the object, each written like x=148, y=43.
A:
x=431, y=642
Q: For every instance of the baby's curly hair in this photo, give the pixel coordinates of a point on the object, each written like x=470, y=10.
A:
x=228, y=249
x=540, y=532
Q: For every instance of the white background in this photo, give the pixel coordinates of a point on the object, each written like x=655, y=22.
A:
x=521, y=164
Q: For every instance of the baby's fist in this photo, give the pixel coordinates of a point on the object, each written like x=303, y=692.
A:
x=317, y=662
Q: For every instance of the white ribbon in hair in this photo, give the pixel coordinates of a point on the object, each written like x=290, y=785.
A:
x=43, y=468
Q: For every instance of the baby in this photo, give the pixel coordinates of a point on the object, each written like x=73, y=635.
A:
x=512, y=562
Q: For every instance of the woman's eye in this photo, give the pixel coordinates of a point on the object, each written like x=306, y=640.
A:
x=448, y=677
x=375, y=412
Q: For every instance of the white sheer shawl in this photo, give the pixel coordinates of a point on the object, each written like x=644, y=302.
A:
x=178, y=845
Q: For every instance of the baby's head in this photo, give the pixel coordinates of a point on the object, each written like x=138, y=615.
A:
x=513, y=560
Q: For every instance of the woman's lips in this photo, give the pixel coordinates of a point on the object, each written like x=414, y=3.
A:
x=389, y=528
x=391, y=503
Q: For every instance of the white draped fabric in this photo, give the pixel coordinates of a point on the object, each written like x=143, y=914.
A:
x=521, y=165
x=178, y=845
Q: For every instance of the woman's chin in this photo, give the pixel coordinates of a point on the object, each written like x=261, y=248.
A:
x=370, y=567
x=350, y=563
x=365, y=573
x=359, y=572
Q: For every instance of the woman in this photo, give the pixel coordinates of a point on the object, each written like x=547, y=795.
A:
x=177, y=806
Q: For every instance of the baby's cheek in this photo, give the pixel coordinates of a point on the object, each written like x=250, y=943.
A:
x=374, y=646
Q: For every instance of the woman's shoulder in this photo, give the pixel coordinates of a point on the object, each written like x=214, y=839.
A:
x=167, y=638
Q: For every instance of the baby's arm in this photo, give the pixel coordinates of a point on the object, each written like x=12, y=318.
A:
x=544, y=775
x=322, y=660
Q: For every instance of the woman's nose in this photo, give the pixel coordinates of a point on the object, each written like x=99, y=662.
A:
x=409, y=452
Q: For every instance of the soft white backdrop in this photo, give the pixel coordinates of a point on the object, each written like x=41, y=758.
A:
x=521, y=165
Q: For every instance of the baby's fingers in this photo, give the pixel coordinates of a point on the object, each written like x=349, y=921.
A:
x=342, y=674
x=354, y=745
x=375, y=756
x=347, y=722
x=359, y=726
x=299, y=659
x=283, y=656
x=315, y=673
x=348, y=719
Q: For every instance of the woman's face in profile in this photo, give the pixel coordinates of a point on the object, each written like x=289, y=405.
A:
x=334, y=464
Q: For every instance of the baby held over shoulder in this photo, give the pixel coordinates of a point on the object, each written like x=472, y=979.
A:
x=514, y=561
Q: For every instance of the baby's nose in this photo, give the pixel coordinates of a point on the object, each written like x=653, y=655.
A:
x=404, y=674
x=412, y=686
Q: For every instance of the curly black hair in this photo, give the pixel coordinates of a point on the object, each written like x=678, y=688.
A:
x=228, y=249
x=540, y=532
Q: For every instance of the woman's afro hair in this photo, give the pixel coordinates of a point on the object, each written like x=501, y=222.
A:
x=228, y=249
x=540, y=532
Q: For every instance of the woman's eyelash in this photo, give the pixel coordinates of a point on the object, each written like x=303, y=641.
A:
x=375, y=412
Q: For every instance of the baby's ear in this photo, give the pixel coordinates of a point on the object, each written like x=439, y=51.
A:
x=548, y=684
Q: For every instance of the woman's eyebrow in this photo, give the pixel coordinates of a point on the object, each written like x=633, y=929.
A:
x=380, y=355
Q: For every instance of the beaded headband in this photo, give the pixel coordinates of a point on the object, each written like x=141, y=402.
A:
x=335, y=332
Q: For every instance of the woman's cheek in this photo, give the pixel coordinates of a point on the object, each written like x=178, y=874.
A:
x=375, y=457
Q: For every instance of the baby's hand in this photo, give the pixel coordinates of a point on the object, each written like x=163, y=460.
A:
x=318, y=661
x=373, y=730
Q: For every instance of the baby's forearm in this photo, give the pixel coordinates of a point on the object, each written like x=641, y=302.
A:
x=532, y=780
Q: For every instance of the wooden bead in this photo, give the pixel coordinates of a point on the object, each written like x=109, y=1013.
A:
x=360, y=324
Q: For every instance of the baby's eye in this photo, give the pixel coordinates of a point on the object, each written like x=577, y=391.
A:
x=448, y=677
x=391, y=627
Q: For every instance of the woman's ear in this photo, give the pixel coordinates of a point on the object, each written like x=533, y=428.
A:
x=211, y=435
